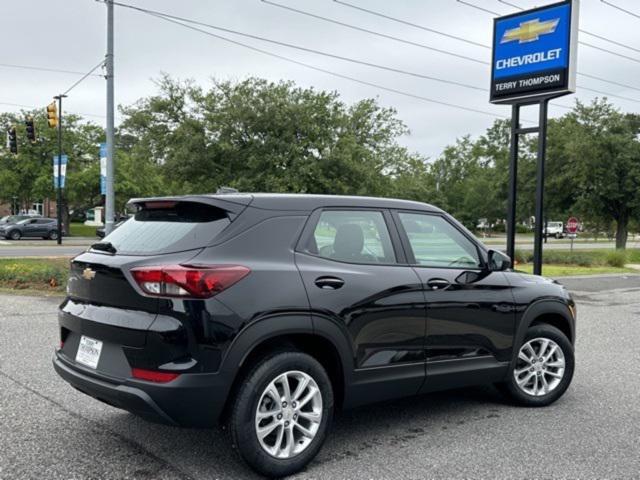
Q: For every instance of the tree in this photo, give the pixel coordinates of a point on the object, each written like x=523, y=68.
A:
x=257, y=135
x=600, y=154
x=28, y=176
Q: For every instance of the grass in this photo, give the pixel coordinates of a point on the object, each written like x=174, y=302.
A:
x=555, y=270
x=36, y=275
x=584, y=258
x=82, y=230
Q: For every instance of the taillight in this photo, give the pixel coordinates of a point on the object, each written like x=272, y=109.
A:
x=153, y=375
x=187, y=280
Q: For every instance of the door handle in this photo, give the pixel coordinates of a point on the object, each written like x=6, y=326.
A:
x=438, y=284
x=329, y=283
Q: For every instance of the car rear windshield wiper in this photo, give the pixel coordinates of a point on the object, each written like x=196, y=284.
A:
x=105, y=247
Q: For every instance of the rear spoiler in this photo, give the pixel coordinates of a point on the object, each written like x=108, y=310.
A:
x=232, y=204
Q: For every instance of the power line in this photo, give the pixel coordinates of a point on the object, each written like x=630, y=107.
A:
x=34, y=107
x=372, y=32
x=309, y=66
x=43, y=69
x=477, y=7
x=317, y=52
x=628, y=12
x=402, y=40
x=422, y=27
x=84, y=76
x=595, y=77
x=415, y=25
x=600, y=37
x=595, y=47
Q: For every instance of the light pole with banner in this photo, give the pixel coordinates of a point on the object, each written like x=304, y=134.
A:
x=533, y=61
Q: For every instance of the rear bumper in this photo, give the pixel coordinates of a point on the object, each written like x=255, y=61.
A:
x=192, y=400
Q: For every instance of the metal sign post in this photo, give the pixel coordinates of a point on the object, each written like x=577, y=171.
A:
x=533, y=61
x=572, y=229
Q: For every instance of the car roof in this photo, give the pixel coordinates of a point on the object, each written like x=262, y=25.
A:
x=301, y=201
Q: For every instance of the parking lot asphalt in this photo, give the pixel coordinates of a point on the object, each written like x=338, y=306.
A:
x=49, y=430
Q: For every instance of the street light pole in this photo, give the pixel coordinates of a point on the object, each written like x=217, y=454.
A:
x=109, y=196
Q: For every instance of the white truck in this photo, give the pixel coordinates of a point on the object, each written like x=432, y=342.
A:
x=555, y=229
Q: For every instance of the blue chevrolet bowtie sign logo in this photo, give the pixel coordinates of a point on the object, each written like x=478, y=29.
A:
x=532, y=52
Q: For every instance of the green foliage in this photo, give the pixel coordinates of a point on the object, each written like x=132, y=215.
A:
x=257, y=135
x=43, y=274
x=617, y=258
x=273, y=137
x=82, y=230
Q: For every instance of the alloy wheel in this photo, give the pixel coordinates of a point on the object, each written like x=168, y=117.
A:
x=540, y=367
x=289, y=414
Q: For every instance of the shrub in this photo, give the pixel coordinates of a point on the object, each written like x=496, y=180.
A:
x=617, y=258
x=34, y=273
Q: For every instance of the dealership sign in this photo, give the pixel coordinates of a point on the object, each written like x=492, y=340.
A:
x=534, y=53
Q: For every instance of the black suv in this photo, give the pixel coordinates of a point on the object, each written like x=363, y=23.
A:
x=267, y=312
x=46, y=228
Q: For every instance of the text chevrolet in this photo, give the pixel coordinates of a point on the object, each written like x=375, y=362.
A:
x=267, y=312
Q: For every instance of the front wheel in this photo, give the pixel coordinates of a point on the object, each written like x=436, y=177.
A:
x=15, y=235
x=543, y=370
x=282, y=413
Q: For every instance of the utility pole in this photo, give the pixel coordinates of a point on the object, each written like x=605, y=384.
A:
x=109, y=197
x=59, y=189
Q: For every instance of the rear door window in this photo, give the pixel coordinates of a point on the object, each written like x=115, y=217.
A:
x=167, y=227
x=355, y=236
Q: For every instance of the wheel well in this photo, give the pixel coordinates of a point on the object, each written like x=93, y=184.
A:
x=318, y=347
x=557, y=321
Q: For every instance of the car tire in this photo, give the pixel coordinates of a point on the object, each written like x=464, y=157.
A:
x=15, y=235
x=545, y=368
x=301, y=427
x=53, y=235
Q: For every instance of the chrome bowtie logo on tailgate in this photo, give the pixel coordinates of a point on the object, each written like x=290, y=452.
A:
x=88, y=274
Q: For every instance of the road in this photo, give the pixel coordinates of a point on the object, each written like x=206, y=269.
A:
x=45, y=248
x=49, y=430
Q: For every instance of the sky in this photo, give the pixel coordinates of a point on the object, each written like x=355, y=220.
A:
x=71, y=35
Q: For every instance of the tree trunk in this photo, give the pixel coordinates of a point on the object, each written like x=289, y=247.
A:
x=622, y=231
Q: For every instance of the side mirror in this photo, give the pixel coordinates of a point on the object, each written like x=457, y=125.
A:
x=498, y=261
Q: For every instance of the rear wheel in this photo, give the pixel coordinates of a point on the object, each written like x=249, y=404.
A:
x=543, y=369
x=15, y=235
x=53, y=235
x=281, y=413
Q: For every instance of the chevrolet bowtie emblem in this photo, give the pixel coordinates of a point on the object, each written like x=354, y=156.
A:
x=88, y=274
x=530, y=31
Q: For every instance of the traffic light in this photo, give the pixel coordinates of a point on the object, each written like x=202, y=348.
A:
x=52, y=115
x=12, y=139
x=31, y=129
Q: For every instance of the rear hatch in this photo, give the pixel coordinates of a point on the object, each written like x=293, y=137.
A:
x=105, y=303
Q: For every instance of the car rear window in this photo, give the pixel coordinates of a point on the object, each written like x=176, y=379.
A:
x=167, y=227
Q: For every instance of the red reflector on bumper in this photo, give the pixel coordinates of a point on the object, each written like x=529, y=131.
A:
x=153, y=376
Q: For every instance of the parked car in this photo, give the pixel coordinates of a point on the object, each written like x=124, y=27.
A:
x=16, y=218
x=554, y=229
x=31, y=227
x=268, y=312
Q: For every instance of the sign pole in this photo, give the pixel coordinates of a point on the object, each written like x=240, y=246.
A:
x=542, y=147
x=513, y=181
